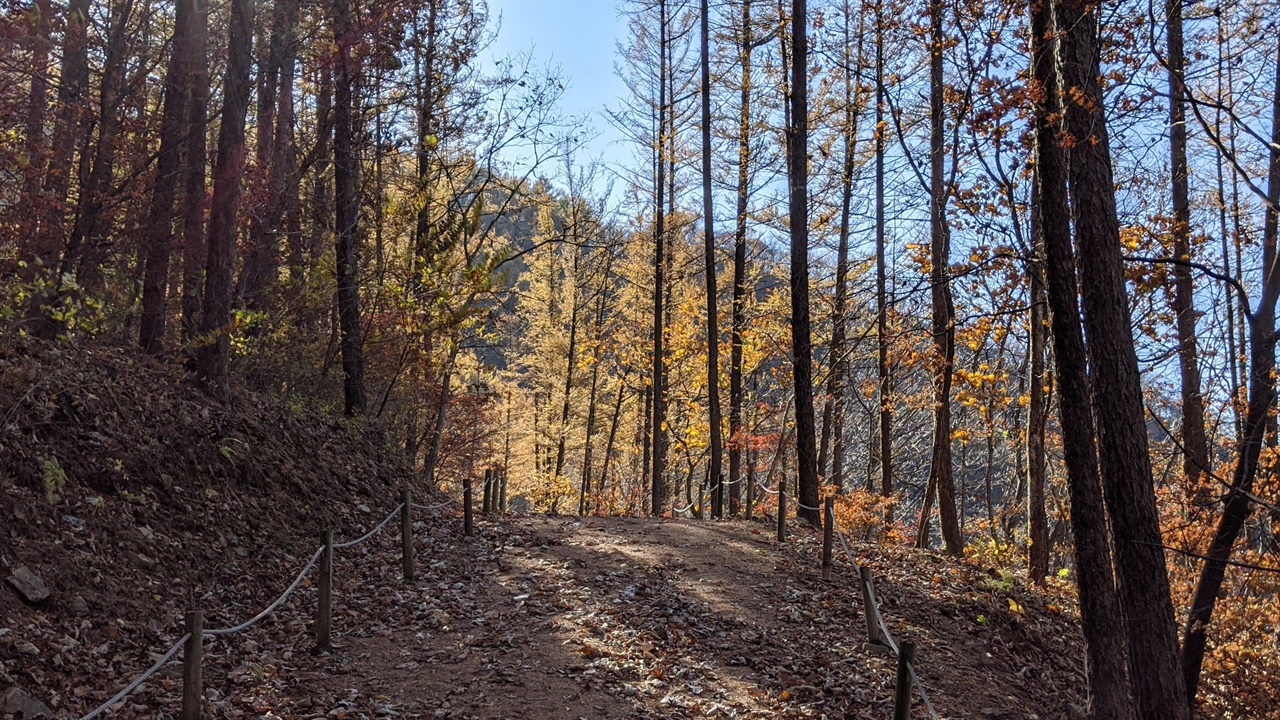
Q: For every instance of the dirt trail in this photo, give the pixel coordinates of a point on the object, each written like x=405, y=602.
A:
x=632, y=618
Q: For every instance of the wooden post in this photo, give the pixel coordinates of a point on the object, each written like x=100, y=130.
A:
x=902, y=690
x=192, y=673
x=467, y=522
x=502, y=490
x=869, y=607
x=324, y=614
x=828, y=534
x=782, y=512
x=406, y=535
x=484, y=493
x=751, y=495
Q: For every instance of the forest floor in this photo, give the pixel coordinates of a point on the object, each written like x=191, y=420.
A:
x=633, y=618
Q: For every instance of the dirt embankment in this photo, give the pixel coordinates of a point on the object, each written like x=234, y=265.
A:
x=131, y=495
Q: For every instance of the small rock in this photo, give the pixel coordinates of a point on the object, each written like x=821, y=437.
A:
x=16, y=702
x=79, y=606
x=146, y=562
x=28, y=584
x=26, y=647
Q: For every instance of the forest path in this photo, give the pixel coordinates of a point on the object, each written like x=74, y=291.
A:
x=624, y=618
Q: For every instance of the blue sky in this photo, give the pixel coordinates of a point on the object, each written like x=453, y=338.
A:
x=580, y=36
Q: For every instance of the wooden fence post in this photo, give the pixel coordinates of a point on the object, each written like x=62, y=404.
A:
x=902, y=690
x=751, y=497
x=324, y=614
x=828, y=534
x=782, y=512
x=406, y=535
x=502, y=490
x=467, y=522
x=484, y=492
x=192, y=673
x=869, y=607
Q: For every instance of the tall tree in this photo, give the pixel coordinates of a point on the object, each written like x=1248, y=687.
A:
x=941, y=472
x=882, y=296
x=657, y=377
x=40, y=42
x=1142, y=575
x=194, y=181
x=174, y=129
x=709, y=270
x=839, y=370
x=1037, y=382
x=215, y=317
x=1195, y=444
x=1262, y=399
x=346, y=181
x=73, y=78
x=1104, y=629
x=739, y=321
x=798, y=223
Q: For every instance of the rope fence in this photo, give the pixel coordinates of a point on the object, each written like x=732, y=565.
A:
x=878, y=635
x=192, y=697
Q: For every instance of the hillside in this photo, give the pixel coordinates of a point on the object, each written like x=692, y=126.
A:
x=132, y=495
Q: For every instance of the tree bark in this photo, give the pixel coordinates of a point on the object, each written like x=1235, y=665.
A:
x=709, y=270
x=736, y=439
x=944, y=332
x=1101, y=622
x=798, y=221
x=174, y=129
x=658, y=427
x=839, y=370
x=215, y=318
x=1262, y=397
x=194, y=253
x=882, y=299
x=346, y=179
x=1037, y=380
x=32, y=202
x=68, y=128
x=1143, y=580
x=1195, y=444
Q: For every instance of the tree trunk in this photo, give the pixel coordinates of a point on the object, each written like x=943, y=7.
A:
x=798, y=211
x=194, y=253
x=272, y=154
x=346, y=180
x=1037, y=379
x=591, y=405
x=32, y=204
x=570, y=361
x=608, y=447
x=1099, y=608
x=1262, y=396
x=941, y=473
x=81, y=256
x=1143, y=580
x=437, y=427
x=215, y=357
x=736, y=439
x=174, y=128
x=709, y=259
x=882, y=299
x=658, y=427
x=1195, y=444
x=67, y=131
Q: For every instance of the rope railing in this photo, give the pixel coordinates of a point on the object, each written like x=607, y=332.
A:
x=372, y=532
x=192, y=697
x=872, y=610
x=164, y=660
